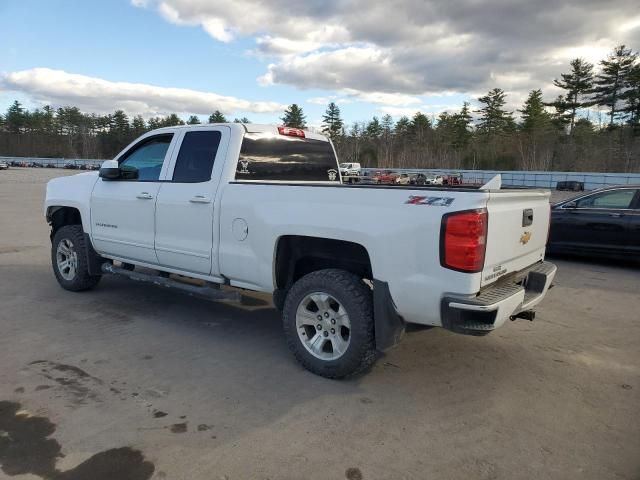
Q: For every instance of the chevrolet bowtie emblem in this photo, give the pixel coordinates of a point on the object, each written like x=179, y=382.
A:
x=525, y=237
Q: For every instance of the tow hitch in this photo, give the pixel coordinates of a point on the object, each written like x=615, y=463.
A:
x=526, y=315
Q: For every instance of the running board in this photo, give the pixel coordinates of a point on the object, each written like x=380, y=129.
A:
x=206, y=291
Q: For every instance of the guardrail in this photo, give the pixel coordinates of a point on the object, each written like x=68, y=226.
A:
x=591, y=180
x=77, y=163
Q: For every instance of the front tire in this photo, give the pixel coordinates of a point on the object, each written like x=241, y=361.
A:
x=328, y=323
x=69, y=259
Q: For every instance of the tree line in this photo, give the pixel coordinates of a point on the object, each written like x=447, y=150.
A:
x=69, y=133
x=593, y=126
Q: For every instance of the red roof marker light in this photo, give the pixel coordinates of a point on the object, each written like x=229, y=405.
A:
x=291, y=132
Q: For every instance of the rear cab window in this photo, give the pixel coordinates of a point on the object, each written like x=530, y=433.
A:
x=268, y=157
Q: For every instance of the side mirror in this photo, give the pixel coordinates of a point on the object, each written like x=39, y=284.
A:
x=570, y=205
x=110, y=170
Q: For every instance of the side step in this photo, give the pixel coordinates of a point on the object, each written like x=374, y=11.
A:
x=206, y=291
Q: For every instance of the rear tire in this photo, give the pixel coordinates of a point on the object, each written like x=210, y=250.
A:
x=69, y=259
x=328, y=323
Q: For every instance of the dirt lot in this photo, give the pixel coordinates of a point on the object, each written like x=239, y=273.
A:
x=158, y=385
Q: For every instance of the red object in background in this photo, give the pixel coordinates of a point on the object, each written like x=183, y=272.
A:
x=452, y=179
x=386, y=176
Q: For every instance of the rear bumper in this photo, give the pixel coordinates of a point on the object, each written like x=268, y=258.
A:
x=492, y=307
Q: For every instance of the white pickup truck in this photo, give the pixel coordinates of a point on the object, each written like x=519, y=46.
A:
x=260, y=208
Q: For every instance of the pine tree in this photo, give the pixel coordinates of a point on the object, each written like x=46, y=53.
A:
x=577, y=84
x=420, y=126
x=611, y=83
x=632, y=96
x=217, y=117
x=387, y=125
x=494, y=119
x=15, y=118
x=294, y=117
x=193, y=120
x=153, y=123
x=48, y=120
x=120, y=123
x=534, y=116
x=137, y=126
x=387, y=138
x=332, y=124
x=171, y=121
x=374, y=129
x=463, y=122
x=403, y=127
x=560, y=116
x=241, y=120
x=535, y=141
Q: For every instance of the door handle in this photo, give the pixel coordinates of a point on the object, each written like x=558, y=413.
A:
x=616, y=215
x=200, y=199
x=144, y=196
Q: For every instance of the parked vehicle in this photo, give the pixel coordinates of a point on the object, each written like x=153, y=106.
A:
x=258, y=207
x=435, y=180
x=602, y=222
x=453, y=179
x=386, y=177
x=570, y=185
x=4, y=165
x=420, y=179
x=403, y=179
x=350, y=169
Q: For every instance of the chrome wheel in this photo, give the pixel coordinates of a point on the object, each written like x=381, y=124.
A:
x=67, y=259
x=323, y=326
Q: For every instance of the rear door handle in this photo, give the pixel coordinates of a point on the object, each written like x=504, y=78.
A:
x=616, y=215
x=144, y=196
x=200, y=199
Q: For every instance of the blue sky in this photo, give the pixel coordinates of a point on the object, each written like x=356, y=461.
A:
x=258, y=58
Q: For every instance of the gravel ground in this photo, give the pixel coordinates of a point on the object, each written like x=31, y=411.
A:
x=133, y=382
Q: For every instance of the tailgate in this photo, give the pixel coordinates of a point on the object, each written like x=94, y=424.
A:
x=517, y=231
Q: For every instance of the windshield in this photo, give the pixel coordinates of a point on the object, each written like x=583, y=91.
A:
x=345, y=165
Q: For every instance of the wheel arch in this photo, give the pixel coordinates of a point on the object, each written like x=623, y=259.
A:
x=60, y=215
x=298, y=255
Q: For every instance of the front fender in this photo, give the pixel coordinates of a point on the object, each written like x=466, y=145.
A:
x=73, y=191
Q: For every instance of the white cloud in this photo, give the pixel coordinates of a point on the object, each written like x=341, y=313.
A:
x=414, y=47
x=328, y=99
x=398, y=112
x=395, y=99
x=101, y=96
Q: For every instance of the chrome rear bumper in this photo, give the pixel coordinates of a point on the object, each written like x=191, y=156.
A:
x=506, y=298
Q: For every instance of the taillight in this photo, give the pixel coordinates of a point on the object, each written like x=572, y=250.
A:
x=463, y=240
x=291, y=132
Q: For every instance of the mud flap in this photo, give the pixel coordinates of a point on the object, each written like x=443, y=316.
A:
x=94, y=261
x=389, y=326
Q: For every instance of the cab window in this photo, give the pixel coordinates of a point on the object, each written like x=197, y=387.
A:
x=282, y=158
x=197, y=154
x=144, y=161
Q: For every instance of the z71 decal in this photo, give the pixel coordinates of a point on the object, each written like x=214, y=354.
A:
x=432, y=201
